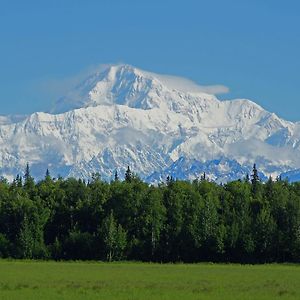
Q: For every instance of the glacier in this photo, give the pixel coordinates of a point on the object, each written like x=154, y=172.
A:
x=158, y=125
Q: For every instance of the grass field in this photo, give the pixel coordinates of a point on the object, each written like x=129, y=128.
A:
x=80, y=280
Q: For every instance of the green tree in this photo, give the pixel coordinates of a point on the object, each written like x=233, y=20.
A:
x=47, y=175
x=29, y=184
x=151, y=221
x=116, y=176
x=26, y=239
x=4, y=246
x=114, y=237
x=128, y=175
x=237, y=217
x=255, y=180
x=264, y=228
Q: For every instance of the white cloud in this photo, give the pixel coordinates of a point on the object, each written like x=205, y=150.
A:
x=187, y=85
x=254, y=148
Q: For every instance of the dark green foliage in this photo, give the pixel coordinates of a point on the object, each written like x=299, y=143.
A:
x=4, y=246
x=116, y=176
x=78, y=245
x=28, y=180
x=255, y=181
x=242, y=221
x=128, y=175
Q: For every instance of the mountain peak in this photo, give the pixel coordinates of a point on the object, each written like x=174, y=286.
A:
x=124, y=84
x=112, y=84
x=121, y=115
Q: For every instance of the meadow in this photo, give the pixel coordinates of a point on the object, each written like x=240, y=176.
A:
x=97, y=280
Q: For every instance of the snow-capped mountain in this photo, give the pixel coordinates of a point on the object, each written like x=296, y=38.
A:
x=220, y=170
x=156, y=124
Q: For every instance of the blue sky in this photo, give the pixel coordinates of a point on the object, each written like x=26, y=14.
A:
x=252, y=47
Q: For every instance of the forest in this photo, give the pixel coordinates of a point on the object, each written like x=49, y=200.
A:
x=245, y=221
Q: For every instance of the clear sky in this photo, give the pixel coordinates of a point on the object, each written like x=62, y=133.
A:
x=252, y=47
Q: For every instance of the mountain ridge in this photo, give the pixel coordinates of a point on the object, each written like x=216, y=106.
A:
x=124, y=116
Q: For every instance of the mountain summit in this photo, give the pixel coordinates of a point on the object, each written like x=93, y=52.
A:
x=126, y=85
x=157, y=124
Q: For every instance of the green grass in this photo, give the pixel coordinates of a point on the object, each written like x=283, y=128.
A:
x=81, y=280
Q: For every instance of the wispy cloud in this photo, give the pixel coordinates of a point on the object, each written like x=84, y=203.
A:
x=62, y=85
x=187, y=85
x=215, y=89
x=52, y=89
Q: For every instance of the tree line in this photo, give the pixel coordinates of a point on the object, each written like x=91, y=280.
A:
x=244, y=221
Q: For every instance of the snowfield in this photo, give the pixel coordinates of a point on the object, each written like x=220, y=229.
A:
x=158, y=125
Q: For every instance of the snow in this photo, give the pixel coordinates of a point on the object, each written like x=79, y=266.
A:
x=156, y=124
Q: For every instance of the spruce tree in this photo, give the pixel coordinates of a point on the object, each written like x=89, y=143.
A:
x=170, y=180
x=27, y=172
x=18, y=181
x=128, y=175
x=254, y=180
x=254, y=176
x=116, y=176
x=28, y=180
x=47, y=175
x=247, y=178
